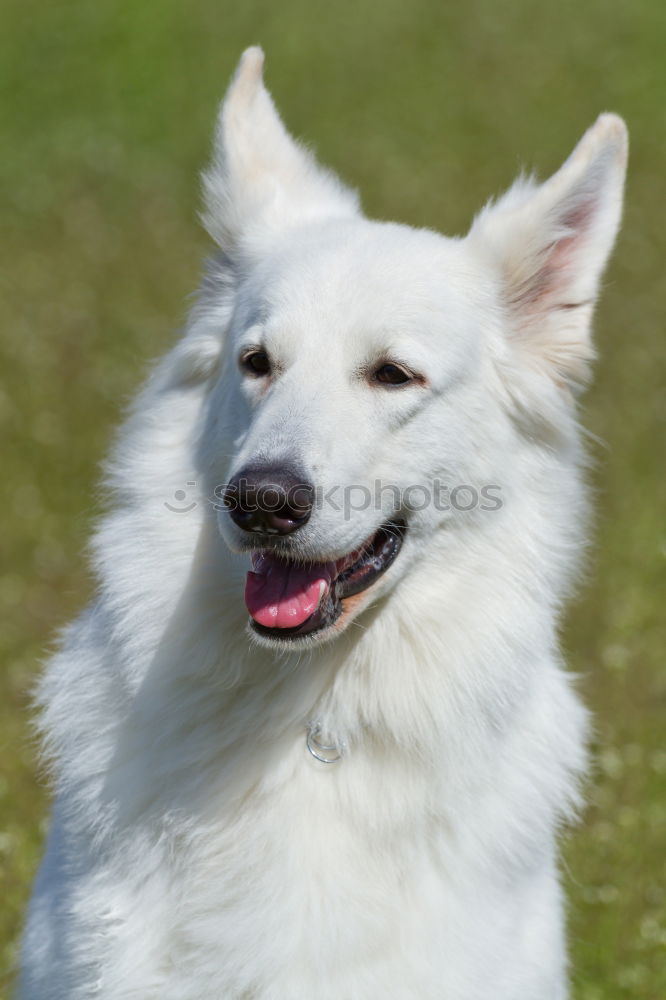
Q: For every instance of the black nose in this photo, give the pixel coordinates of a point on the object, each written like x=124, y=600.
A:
x=269, y=499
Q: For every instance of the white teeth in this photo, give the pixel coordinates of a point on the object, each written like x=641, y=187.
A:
x=323, y=587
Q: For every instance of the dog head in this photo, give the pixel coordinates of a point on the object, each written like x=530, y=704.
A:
x=366, y=370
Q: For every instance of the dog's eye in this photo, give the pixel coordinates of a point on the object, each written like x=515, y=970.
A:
x=256, y=363
x=390, y=374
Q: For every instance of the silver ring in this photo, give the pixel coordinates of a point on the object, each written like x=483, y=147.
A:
x=319, y=750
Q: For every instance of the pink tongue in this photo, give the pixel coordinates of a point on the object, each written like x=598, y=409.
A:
x=282, y=595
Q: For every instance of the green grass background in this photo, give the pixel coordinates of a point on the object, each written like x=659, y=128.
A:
x=428, y=107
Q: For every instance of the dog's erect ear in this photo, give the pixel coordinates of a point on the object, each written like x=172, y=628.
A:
x=260, y=180
x=549, y=243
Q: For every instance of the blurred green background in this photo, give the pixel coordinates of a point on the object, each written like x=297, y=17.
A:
x=428, y=107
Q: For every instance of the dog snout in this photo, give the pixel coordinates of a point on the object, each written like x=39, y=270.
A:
x=270, y=500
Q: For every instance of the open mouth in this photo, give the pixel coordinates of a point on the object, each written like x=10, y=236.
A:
x=287, y=599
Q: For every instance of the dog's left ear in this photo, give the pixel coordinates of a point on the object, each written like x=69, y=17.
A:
x=261, y=180
x=549, y=245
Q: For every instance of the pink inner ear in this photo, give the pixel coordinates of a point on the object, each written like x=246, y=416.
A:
x=549, y=281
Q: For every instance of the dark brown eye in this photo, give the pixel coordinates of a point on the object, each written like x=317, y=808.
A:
x=256, y=363
x=390, y=374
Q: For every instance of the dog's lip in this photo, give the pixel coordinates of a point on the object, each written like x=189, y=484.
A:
x=348, y=576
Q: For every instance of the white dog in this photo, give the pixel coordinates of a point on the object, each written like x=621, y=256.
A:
x=354, y=794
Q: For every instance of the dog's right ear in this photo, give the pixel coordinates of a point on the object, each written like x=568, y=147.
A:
x=260, y=180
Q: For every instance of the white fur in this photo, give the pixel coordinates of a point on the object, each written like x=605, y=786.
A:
x=196, y=849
